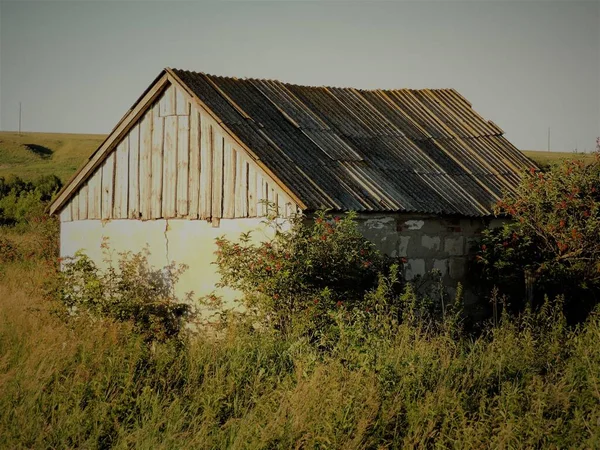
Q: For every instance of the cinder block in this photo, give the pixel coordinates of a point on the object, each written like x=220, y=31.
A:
x=441, y=265
x=454, y=246
x=414, y=267
x=403, y=242
x=431, y=242
x=457, y=268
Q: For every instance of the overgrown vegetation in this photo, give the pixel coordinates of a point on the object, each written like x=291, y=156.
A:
x=530, y=381
x=129, y=291
x=552, y=245
x=332, y=350
x=23, y=202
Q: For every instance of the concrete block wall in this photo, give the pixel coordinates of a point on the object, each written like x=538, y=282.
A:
x=427, y=242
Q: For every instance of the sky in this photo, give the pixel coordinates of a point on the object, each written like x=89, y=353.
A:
x=78, y=66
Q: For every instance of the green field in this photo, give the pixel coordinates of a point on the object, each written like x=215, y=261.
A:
x=544, y=158
x=30, y=155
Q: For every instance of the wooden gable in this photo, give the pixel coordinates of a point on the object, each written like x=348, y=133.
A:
x=174, y=161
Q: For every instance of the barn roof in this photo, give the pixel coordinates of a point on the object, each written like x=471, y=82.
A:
x=401, y=150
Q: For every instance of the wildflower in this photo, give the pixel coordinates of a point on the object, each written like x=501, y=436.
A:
x=337, y=219
x=505, y=244
x=403, y=260
x=315, y=301
x=532, y=170
x=367, y=263
x=562, y=223
x=323, y=238
x=586, y=214
x=484, y=247
x=339, y=303
x=268, y=268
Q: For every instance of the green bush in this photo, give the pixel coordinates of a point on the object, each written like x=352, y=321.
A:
x=306, y=271
x=553, y=237
x=24, y=201
x=130, y=291
x=529, y=382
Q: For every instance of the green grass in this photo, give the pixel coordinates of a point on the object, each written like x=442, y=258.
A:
x=31, y=155
x=531, y=383
x=545, y=159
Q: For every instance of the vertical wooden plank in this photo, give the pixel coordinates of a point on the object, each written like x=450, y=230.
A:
x=65, y=214
x=183, y=164
x=217, y=175
x=74, y=203
x=167, y=102
x=182, y=105
x=206, y=167
x=261, y=186
x=241, y=186
x=280, y=198
x=146, y=166
x=229, y=161
x=251, y=191
x=170, y=168
x=157, y=164
x=108, y=185
x=272, y=204
x=83, y=202
x=194, y=169
x=121, y=180
x=133, y=209
x=95, y=195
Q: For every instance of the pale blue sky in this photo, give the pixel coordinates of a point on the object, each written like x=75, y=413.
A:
x=78, y=66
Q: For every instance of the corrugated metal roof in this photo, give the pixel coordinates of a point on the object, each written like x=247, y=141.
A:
x=399, y=150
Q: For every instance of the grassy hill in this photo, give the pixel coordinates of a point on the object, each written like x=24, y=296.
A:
x=30, y=155
x=544, y=158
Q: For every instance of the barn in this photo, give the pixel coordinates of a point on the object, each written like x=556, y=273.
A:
x=196, y=156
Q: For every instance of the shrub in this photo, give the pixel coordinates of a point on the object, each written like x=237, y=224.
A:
x=23, y=201
x=553, y=238
x=133, y=291
x=305, y=271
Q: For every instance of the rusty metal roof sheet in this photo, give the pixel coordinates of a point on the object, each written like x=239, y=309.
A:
x=399, y=150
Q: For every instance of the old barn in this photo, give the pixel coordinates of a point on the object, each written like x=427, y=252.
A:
x=197, y=154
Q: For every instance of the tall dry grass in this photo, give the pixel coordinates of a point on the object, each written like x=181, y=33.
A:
x=527, y=383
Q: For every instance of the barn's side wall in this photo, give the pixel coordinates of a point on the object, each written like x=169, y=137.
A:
x=190, y=242
x=427, y=242
x=174, y=182
x=176, y=161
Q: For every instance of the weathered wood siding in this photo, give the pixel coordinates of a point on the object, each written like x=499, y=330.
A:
x=177, y=161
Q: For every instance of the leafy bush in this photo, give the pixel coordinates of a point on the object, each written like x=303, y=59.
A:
x=23, y=201
x=529, y=382
x=553, y=238
x=132, y=291
x=304, y=271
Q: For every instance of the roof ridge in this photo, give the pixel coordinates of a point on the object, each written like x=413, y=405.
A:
x=324, y=86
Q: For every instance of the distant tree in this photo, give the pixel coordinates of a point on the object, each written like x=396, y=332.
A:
x=553, y=238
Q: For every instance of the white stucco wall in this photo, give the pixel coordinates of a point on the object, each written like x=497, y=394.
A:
x=190, y=242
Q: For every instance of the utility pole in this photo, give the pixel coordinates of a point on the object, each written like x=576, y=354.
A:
x=19, y=118
x=548, y=138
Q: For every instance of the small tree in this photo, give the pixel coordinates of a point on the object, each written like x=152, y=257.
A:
x=306, y=271
x=554, y=235
x=130, y=291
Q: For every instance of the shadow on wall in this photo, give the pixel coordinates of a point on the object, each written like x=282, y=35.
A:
x=40, y=150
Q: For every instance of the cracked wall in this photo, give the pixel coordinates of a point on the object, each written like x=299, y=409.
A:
x=427, y=242
x=190, y=242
